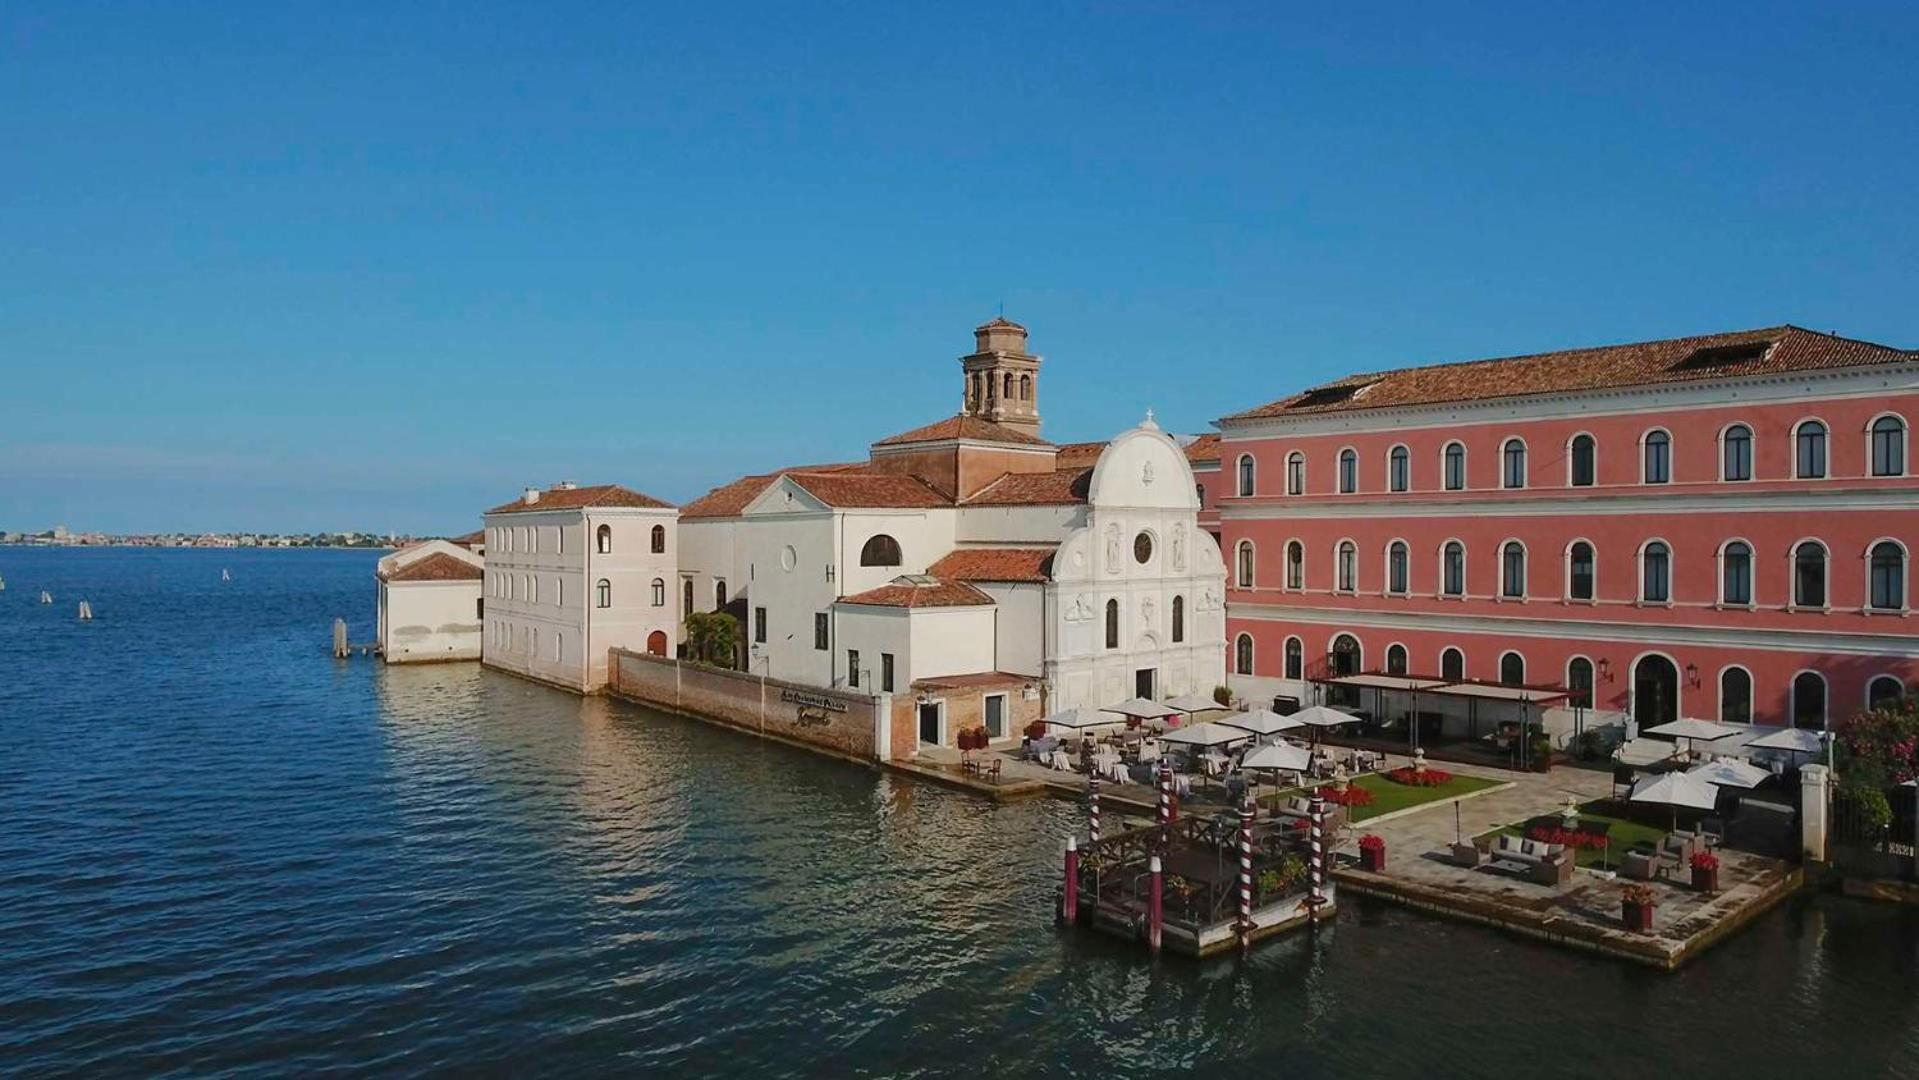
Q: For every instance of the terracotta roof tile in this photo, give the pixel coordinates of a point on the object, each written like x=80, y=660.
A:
x=964, y=427
x=863, y=490
x=438, y=566
x=472, y=539
x=923, y=592
x=1062, y=487
x=981, y=680
x=1079, y=455
x=728, y=500
x=598, y=495
x=1710, y=356
x=995, y=564
x=1204, y=448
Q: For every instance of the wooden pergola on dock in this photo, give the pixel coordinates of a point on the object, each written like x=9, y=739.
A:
x=1200, y=885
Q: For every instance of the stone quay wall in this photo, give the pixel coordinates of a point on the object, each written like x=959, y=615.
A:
x=845, y=724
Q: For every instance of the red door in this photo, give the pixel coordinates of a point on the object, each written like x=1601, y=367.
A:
x=656, y=643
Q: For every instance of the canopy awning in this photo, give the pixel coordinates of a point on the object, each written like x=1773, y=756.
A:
x=1542, y=694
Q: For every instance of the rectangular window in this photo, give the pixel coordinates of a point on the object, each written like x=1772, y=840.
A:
x=759, y=626
x=886, y=672
x=819, y=631
x=853, y=668
x=996, y=716
x=479, y=608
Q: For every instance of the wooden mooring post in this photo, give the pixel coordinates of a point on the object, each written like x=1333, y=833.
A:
x=339, y=639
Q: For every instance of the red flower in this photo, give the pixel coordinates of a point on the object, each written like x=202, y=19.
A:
x=1369, y=842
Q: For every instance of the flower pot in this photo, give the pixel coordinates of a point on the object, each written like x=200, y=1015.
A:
x=1638, y=916
x=1372, y=860
x=1705, y=880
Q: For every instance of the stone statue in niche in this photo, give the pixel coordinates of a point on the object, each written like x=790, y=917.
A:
x=1146, y=474
x=1147, y=608
x=1179, y=547
x=1209, y=598
x=1112, y=548
x=1080, y=611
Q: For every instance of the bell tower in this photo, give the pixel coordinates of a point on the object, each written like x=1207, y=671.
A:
x=1002, y=378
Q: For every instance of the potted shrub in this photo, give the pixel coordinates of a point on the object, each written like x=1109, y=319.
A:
x=1636, y=907
x=1705, y=872
x=1036, y=730
x=1541, y=753
x=1372, y=854
x=1223, y=695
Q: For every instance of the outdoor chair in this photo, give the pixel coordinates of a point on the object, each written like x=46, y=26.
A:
x=1622, y=778
x=1713, y=831
x=1466, y=854
x=1677, y=847
x=1639, y=866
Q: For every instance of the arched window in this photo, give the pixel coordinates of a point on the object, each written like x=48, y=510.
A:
x=1395, y=659
x=1452, y=664
x=880, y=550
x=603, y=593
x=603, y=539
x=1809, y=574
x=1809, y=450
x=1346, y=658
x=1026, y=388
x=1452, y=569
x=1453, y=466
x=1348, y=566
x=1295, y=473
x=1735, y=453
x=1399, y=469
x=659, y=539
x=1512, y=458
x=1112, y=624
x=1245, y=561
x=1584, y=460
x=1179, y=619
x=1884, y=691
x=1735, y=574
x=1199, y=490
x=1579, y=571
x=1295, y=565
x=1243, y=654
x=1888, y=576
x=1809, y=700
x=1888, y=447
x=719, y=593
x=1295, y=657
x=686, y=598
x=1512, y=669
x=1657, y=467
x=1006, y=387
x=659, y=592
x=1735, y=696
x=1348, y=471
x=1396, y=567
x=1655, y=577
x=1245, y=475
x=1512, y=575
x=1579, y=680
x=559, y=548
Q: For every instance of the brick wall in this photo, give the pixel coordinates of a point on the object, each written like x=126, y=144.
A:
x=834, y=721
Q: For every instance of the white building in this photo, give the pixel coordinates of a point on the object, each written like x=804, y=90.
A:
x=978, y=573
x=574, y=571
x=430, y=605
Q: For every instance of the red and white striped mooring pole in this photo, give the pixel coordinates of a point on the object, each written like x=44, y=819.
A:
x=1155, y=903
x=1246, y=872
x=1092, y=808
x=1165, y=793
x=1318, y=857
x=1069, y=903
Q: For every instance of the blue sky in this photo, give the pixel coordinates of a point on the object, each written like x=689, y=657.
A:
x=341, y=267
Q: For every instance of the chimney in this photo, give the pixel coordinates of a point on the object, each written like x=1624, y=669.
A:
x=530, y=496
x=565, y=485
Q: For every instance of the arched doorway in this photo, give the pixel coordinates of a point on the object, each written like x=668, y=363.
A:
x=656, y=643
x=1655, y=692
x=1344, y=660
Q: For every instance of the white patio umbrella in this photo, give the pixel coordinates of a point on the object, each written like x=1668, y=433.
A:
x=1322, y=716
x=1794, y=740
x=1203, y=735
x=1692, y=730
x=1277, y=756
x=1192, y=703
x=1260, y=722
x=1729, y=772
x=1143, y=708
x=1077, y=717
x=1676, y=789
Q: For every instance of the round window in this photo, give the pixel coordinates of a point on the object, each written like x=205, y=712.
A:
x=1143, y=547
x=788, y=557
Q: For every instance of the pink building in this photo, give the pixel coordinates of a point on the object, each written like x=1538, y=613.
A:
x=1712, y=526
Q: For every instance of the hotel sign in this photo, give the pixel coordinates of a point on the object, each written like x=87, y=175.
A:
x=817, y=701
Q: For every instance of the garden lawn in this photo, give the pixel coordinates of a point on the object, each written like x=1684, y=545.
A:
x=1390, y=796
x=1622, y=836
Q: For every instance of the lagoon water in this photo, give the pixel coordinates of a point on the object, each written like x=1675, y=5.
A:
x=222, y=852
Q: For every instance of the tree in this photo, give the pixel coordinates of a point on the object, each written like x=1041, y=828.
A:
x=1877, y=750
x=712, y=637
